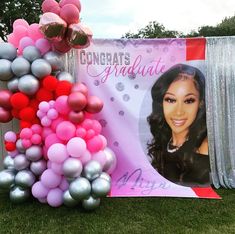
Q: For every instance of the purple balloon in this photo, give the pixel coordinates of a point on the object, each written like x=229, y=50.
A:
x=50, y=179
x=55, y=197
x=57, y=153
x=39, y=190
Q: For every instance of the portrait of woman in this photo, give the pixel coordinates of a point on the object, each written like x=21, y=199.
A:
x=179, y=147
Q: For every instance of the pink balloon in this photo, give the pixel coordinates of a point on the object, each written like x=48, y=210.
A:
x=44, y=106
x=74, y=2
x=86, y=157
x=81, y=132
x=90, y=134
x=52, y=139
x=5, y=115
x=20, y=32
x=61, y=105
x=57, y=168
x=95, y=144
x=104, y=140
x=55, y=197
x=51, y=6
x=50, y=179
x=80, y=87
x=65, y=130
x=100, y=157
x=61, y=47
x=45, y=121
x=34, y=32
x=77, y=101
x=10, y=136
x=20, y=22
x=26, y=143
x=76, y=147
x=70, y=14
x=52, y=114
x=39, y=190
x=49, y=164
x=46, y=132
x=96, y=126
x=64, y=185
x=56, y=122
x=43, y=45
x=57, y=153
x=87, y=124
x=11, y=38
x=36, y=128
x=26, y=133
x=94, y=104
x=36, y=139
x=25, y=41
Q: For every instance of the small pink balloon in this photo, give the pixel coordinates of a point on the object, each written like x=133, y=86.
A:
x=87, y=124
x=76, y=147
x=39, y=190
x=50, y=179
x=95, y=144
x=26, y=41
x=100, y=157
x=52, y=139
x=74, y=2
x=45, y=121
x=55, y=197
x=77, y=101
x=20, y=22
x=85, y=158
x=43, y=45
x=70, y=14
x=90, y=134
x=46, y=132
x=36, y=128
x=36, y=139
x=81, y=132
x=64, y=185
x=57, y=168
x=57, y=153
x=26, y=143
x=65, y=130
x=94, y=104
x=96, y=126
x=11, y=38
x=44, y=106
x=52, y=114
x=20, y=32
x=61, y=105
x=34, y=32
x=80, y=87
x=26, y=133
x=51, y=6
x=56, y=122
x=40, y=114
x=104, y=140
x=10, y=136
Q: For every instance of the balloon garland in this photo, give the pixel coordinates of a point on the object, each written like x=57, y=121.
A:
x=59, y=155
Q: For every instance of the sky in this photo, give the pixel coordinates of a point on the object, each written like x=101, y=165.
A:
x=114, y=18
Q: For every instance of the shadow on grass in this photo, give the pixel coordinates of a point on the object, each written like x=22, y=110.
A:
x=123, y=215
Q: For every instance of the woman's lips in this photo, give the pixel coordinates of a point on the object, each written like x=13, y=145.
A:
x=178, y=122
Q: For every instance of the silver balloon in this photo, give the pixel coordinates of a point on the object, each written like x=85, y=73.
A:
x=31, y=53
x=8, y=162
x=7, y=178
x=111, y=161
x=105, y=176
x=12, y=84
x=41, y=68
x=65, y=76
x=68, y=200
x=38, y=167
x=21, y=162
x=28, y=84
x=100, y=187
x=91, y=203
x=19, y=195
x=19, y=146
x=20, y=66
x=7, y=51
x=5, y=70
x=72, y=167
x=54, y=59
x=24, y=179
x=34, y=153
x=92, y=170
x=80, y=188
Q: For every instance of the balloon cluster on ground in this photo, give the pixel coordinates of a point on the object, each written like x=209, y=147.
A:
x=59, y=155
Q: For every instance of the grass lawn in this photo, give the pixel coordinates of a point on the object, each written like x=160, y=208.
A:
x=123, y=215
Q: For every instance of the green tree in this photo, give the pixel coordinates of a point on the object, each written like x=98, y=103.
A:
x=10, y=10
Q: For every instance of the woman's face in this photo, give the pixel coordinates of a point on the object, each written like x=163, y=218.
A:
x=180, y=105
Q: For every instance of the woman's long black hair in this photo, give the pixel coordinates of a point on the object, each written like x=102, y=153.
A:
x=158, y=126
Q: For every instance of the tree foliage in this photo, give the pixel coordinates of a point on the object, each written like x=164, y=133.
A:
x=10, y=10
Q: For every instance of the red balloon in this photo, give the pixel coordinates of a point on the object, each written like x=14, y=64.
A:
x=76, y=117
x=25, y=124
x=5, y=115
x=19, y=100
x=5, y=97
x=50, y=83
x=10, y=146
x=63, y=88
x=44, y=95
x=27, y=114
x=94, y=104
x=77, y=101
x=80, y=87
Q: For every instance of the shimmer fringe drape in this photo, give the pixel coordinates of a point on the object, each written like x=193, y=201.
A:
x=220, y=96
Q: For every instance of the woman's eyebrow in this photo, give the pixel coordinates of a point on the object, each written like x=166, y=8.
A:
x=189, y=94
x=170, y=93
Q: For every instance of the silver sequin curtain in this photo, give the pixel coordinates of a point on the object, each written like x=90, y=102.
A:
x=220, y=95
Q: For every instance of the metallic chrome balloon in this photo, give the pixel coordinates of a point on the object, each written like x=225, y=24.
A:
x=28, y=84
x=24, y=179
x=100, y=187
x=65, y=76
x=72, y=167
x=111, y=161
x=41, y=68
x=19, y=195
x=70, y=180
x=80, y=188
x=31, y=53
x=92, y=170
x=91, y=203
x=20, y=66
x=105, y=176
x=5, y=70
x=54, y=59
x=34, y=153
x=68, y=200
x=38, y=167
x=7, y=178
x=8, y=162
x=19, y=146
x=21, y=162
x=7, y=51
x=12, y=84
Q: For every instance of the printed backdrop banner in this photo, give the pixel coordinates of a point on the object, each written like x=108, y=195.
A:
x=122, y=73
